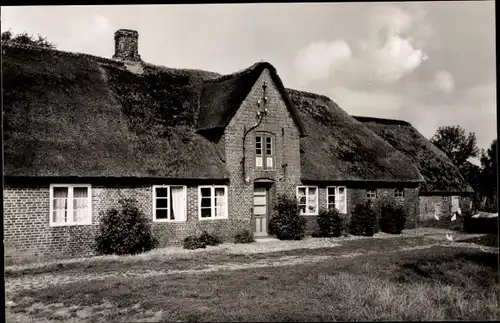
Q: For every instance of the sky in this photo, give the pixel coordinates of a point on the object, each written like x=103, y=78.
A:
x=429, y=63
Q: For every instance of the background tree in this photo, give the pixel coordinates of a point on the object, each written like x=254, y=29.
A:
x=458, y=146
x=488, y=177
x=24, y=38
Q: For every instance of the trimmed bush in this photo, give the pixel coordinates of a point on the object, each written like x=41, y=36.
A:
x=363, y=220
x=243, y=236
x=330, y=223
x=193, y=242
x=124, y=231
x=392, y=218
x=209, y=239
x=286, y=222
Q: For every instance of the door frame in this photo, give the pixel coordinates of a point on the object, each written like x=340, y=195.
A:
x=267, y=186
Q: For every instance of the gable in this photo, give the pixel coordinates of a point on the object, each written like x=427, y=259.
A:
x=221, y=98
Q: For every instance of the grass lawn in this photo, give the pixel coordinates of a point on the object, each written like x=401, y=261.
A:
x=383, y=279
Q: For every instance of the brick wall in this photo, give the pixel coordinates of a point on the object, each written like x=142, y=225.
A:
x=428, y=203
x=280, y=124
x=357, y=195
x=28, y=235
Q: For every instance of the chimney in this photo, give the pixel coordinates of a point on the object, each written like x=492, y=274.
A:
x=126, y=45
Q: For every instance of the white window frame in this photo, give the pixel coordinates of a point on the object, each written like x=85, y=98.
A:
x=396, y=193
x=69, y=210
x=368, y=195
x=212, y=202
x=184, y=189
x=337, y=188
x=307, y=200
x=264, y=155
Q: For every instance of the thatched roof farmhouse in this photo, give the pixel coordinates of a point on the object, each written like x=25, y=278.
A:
x=215, y=149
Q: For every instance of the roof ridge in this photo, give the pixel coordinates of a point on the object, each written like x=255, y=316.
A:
x=382, y=120
x=180, y=69
x=59, y=51
x=312, y=94
x=240, y=72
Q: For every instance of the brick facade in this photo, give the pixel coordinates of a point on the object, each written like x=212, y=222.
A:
x=356, y=195
x=28, y=235
x=429, y=203
x=279, y=123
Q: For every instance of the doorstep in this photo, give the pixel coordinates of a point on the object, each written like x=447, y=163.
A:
x=265, y=238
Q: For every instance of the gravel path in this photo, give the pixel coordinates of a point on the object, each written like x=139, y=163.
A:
x=14, y=285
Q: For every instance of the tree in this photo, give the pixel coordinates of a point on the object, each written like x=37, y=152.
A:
x=26, y=39
x=489, y=170
x=458, y=146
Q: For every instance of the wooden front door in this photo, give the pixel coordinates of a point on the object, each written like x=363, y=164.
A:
x=437, y=209
x=260, y=210
x=455, y=204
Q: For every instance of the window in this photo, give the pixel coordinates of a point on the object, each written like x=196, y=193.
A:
x=371, y=194
x=70, y=204
x=212, y=202
x=169, y=203
x=399, y=193
x=264, y=151
x=307, y=197
x=336, y=198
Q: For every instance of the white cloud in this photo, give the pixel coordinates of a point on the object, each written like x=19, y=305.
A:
x=101, y=23
x=317, y=59
x=444, y=82
x=382, y=57
x=373, y=104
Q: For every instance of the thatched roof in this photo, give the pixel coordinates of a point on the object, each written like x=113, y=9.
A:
x=77, y=115
x=221, y=97
x=338, y=148
x=439, y=172
x=69, y=114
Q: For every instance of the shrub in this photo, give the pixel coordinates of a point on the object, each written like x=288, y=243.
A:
x=392, y=218
x=193, y=242
x=124, y=231
x=363, y=220
x=316, y=233
x=480, y=225
x=286, y=222
x=243, y=236
x=209, y=239
x=330, y=223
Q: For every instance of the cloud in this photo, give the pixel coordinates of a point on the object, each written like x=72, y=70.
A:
x=101, y=23
x=444, y=82
x=317, y=59
x=374, y=104
x=383, y=56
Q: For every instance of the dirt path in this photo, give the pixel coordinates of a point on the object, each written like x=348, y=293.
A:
x=45, y=280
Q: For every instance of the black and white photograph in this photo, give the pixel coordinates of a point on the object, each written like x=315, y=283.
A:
x=250, y=162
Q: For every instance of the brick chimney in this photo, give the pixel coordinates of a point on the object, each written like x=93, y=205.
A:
x=126, y=45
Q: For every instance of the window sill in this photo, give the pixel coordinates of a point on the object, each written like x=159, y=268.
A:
x=69, y=224
x=309, y=214
x=168, y=221
x=213, y=219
